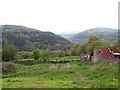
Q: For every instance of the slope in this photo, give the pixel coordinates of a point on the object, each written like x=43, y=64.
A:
x=28, y=39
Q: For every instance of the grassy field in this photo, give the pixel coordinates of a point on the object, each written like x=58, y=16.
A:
x=76, y=74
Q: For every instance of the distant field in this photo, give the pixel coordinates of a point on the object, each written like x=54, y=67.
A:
x=76, y=74
x=66, y=58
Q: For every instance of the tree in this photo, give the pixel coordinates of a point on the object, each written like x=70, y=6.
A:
x=45, y=54
x=60, y=53
x=105, y=43
x=94, y=45
x=77, y=49
x=9, y=53
x=81, y=49
x=92, y=39
x=36, y=54
x=54, y=54
x=91, y=44
x=117, y=43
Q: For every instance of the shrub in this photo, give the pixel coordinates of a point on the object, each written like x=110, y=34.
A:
x=9, y=53
x=36, y=54
x=8, y=67
x=45, y=54
x=25, y=55
x=61, y=53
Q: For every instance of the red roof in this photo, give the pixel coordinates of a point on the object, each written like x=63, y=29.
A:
x=113, y=49
x=107, y=51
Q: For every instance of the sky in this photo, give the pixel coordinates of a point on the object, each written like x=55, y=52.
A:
x=60, y=16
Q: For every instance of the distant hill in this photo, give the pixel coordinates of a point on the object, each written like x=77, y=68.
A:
x=69, y=36
x=28, y=39
x=101, y=33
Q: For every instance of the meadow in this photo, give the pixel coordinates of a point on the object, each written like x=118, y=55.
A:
x=73, y=74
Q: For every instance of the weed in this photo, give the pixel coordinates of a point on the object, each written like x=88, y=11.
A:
x=77, y=74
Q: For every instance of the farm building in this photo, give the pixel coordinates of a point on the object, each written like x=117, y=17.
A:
x=104, y=53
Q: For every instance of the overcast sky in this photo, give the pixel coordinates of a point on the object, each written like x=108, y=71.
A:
x=60, y=16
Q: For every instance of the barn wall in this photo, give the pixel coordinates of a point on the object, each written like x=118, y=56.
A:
x=98, y=56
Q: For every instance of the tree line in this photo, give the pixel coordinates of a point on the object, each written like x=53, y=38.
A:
x=10, y=52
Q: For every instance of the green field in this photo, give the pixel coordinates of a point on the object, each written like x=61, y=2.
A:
x=75, y=74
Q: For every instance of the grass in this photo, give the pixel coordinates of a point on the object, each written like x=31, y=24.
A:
x=77, y=74
x=68, y=58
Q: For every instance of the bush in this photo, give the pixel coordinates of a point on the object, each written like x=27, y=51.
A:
x=61, y=53
x=9, y=53
x=78, y=49
x=8, y=67
x=45, y=54
x=25, y=55
x=36, y=54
